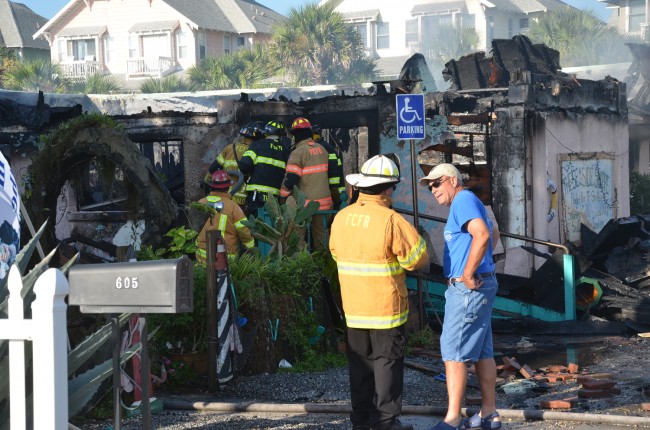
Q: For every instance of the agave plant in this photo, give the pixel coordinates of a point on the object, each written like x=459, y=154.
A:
x=285, y=226
x=82, y=386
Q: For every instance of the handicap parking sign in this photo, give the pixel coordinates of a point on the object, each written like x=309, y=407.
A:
x=410, y=116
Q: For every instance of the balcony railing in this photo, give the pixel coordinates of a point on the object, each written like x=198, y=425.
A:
x=153, y=67
x=80, y=69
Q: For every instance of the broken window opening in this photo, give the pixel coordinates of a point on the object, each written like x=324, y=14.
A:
x=168, y=160
x=467, y=146
x=97, y=194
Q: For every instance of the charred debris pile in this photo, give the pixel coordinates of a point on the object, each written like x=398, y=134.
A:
x=618, y=257
x=612, y=280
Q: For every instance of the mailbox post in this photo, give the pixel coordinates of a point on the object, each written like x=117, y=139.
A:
x=157, y=286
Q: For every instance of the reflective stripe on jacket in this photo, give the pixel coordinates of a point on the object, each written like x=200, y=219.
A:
x=307, y=168
x=228, y=222
x=373, y=245
x=265, y=161
x=335, y=166
x=228, y=161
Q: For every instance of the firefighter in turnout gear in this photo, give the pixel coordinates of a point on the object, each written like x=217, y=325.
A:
x=334, y=168
x=373, y=246
x=265, y=163
x=228, y=220
x=307, y=168
x=231, y=154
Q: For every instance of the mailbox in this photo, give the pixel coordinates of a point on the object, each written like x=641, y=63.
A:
x=157, y=286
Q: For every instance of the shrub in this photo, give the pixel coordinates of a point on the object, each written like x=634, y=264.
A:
x=639, y=193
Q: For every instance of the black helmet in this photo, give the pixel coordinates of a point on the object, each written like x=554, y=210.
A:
x=274, y=128
x=315, y=128
x=254, y=130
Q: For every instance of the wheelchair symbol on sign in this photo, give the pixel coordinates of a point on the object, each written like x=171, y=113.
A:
x=412, y=113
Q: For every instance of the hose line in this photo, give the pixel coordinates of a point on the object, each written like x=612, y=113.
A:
x=329, y=408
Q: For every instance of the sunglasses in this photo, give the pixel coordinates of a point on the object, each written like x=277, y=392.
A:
x=436, y=183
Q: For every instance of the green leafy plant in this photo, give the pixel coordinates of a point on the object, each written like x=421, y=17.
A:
x=97, y=83
x=336, y=52
x=168, y=84
x=285, y=226
x=247, y=272
x=242, y=69
x=35, y=75
x=639, y=193
x=182, y=241
x=425, y=338
x=287, y=290
x=184, y=332
x=178, y=371
x=317, y=361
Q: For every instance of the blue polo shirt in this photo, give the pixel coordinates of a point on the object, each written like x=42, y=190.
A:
x=464, y=208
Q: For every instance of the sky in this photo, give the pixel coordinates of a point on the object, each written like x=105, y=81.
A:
x=48, y=8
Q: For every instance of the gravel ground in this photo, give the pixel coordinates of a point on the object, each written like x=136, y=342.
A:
x=625, y=359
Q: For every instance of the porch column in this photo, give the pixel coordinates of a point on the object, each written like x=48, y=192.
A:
x=640, y=156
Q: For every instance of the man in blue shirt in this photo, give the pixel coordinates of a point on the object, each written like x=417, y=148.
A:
x=471, y=289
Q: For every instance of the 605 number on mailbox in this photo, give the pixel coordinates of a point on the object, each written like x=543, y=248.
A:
x=126, y=282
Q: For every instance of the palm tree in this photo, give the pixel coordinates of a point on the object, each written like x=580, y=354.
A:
x=315, y=46
x=97, y=83
x=35, y=75
x=454, y=41
x=7, y=57
x=168, y=84
x=581, y=37
x=242, y=69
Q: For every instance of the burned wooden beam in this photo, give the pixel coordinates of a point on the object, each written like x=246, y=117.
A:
x=465, y=151
x=480, y=118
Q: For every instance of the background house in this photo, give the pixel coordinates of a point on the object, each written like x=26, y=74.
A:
x=142, y=39
x=392, y=31
x=17, y=24
x=629, y=16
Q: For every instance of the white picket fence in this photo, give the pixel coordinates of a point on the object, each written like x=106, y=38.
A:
x=47, y=332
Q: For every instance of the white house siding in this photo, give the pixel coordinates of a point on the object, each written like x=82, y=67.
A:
x=119, y=19
x=480, y=23
x=394, y=13
x=190, y=41
x=397, y=13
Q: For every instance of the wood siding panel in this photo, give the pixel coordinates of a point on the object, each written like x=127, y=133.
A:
x=214, y=42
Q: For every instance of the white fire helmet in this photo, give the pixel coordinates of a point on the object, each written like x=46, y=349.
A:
x=377, y=170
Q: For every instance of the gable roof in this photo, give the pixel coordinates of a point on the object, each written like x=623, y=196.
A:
x=204, y=13
x=524, y=6
x=260, y=16
x=361, y=15
x=17, y=24
x=436, y=7
x=232, y=16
